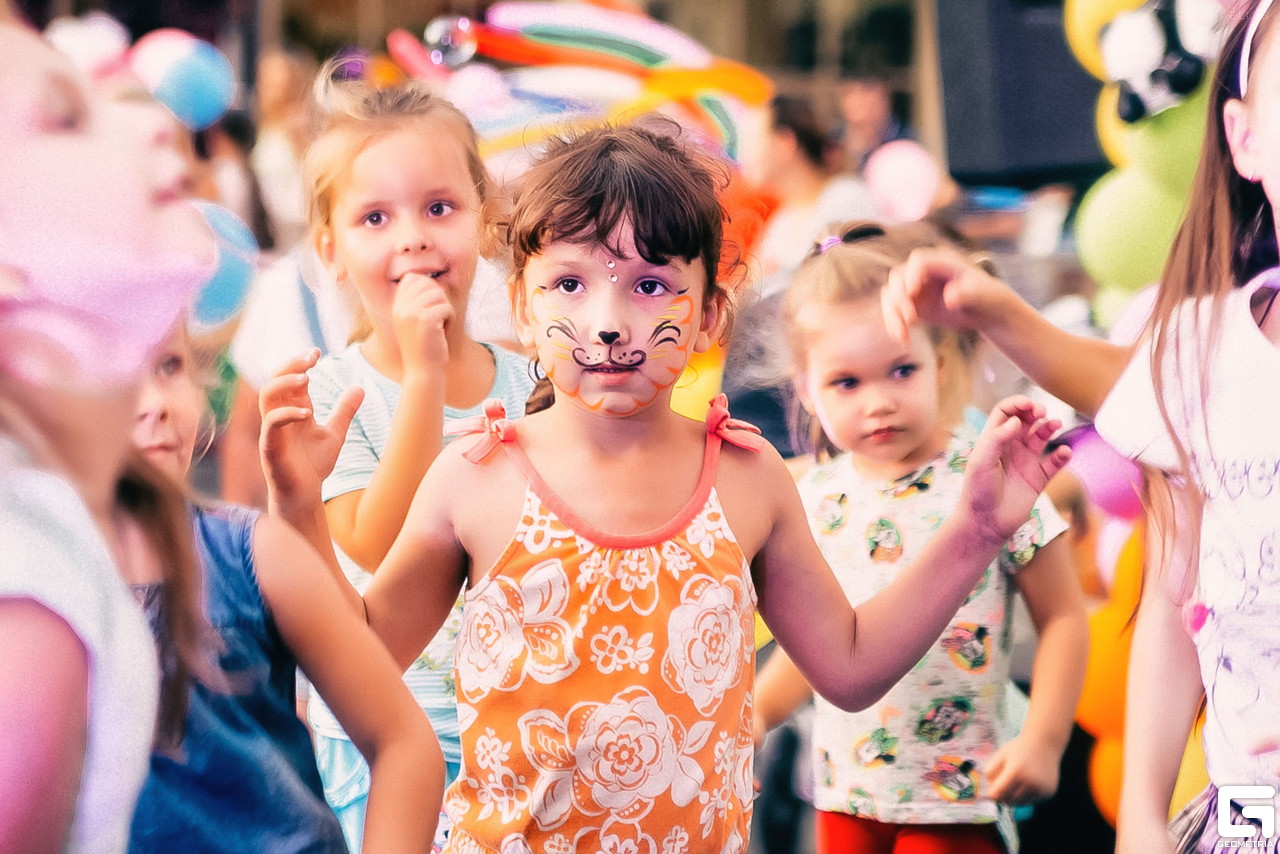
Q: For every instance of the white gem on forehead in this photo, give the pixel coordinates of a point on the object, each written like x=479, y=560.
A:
x=610, y=263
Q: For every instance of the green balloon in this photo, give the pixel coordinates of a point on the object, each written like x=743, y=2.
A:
x=1125, y=226
x=1167, y=145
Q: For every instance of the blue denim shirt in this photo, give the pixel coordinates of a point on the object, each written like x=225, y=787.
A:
x=246, y=778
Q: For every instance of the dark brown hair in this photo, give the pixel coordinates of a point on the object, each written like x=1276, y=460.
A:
x=585, y=188
x=184, y=641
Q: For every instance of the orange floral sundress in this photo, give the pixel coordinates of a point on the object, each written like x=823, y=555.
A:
x=604, y=681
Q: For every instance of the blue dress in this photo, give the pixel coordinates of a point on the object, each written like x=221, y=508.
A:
x=245, y=778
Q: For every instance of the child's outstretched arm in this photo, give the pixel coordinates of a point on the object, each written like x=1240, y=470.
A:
x=853, y=656
x=943, y=287
x=354, y=673
x=365, y=522
x=1026, y=769
x=1163, y=692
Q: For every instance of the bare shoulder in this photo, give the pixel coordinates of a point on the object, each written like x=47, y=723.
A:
x=482, y=496
x=754, y=487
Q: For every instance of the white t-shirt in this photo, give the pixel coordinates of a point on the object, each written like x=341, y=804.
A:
x=51, y=552
x=1227, y=413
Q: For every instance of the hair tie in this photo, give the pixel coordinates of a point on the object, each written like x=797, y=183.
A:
x=1255, y=21
x=828, y=242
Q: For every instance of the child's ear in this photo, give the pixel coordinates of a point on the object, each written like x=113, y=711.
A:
x=709, y=329
x=1245, y=155
x=327, y=249
x=520, y=311
x=801, y=384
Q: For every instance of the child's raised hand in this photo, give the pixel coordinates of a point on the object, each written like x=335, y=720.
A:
x=1023, y=772
x=1009, y=468
x=298, y=452
x=941, y=286
x=422, y=313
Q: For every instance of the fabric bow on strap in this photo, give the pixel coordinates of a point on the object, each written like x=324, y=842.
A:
x=740, y=433
x=494, y=426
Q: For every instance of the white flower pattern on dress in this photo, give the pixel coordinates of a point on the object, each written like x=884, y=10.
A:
x=510, y=631
x=612, y=649
x=705, y=640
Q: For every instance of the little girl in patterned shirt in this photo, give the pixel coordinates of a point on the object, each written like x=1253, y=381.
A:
x=937, y=764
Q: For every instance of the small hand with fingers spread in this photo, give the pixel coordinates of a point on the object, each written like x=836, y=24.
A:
x=1009, y=467
x=297, y=451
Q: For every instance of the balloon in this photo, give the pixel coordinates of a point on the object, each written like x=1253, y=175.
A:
x=1193, y=777
x=95, y=42
x=1167, y=145
x=1124, y=228
x=635, y=38
x=221, y=297
x=1083, y=20
x=411, y=55
x=189, y=76
x=903, y=180
x=1113, y=534
x=1106, y=770
x=1101, y=708
x=1112, y=481
x=1113, y=134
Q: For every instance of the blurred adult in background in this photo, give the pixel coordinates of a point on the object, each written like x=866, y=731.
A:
x=811, y=199
x=284, y=79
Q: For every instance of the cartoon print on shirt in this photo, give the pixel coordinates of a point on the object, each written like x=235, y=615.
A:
x=884, y=541
x=913, y=484
x=944, y=719
x=954, y=779
x=877, y=749
x=969, y=645
x=832, y=513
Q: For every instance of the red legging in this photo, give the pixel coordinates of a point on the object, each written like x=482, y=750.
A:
x=838, y=833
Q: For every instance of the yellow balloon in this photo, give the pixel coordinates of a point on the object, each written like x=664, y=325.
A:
x=1083, y=20
x=1113, y=134
x=1192, y=776
x=698, y=384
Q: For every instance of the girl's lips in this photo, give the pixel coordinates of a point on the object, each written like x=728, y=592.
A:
x=883, y=434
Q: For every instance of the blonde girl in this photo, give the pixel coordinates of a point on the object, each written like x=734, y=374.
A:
x=938, y=763
x=613, y=551
x=400, y=212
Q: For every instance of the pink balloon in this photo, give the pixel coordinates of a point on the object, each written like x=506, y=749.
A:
x=1112, y=480
x=1112, y=536
x=903, y=179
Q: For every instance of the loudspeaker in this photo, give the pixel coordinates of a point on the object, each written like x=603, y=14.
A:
x=1018, y=107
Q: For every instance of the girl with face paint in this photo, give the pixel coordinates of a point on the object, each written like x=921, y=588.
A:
x=891, y=461
x=99, y=251
x=613, y=551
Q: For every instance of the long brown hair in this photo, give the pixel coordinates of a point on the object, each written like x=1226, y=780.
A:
x=184, y=641
x=1227, y=237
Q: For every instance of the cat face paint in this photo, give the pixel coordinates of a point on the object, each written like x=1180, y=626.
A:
x=612, y=332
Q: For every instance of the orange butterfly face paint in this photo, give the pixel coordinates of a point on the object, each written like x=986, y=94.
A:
x=613, y=333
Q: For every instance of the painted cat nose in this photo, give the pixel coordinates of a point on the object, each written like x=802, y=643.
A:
x=607, y=337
